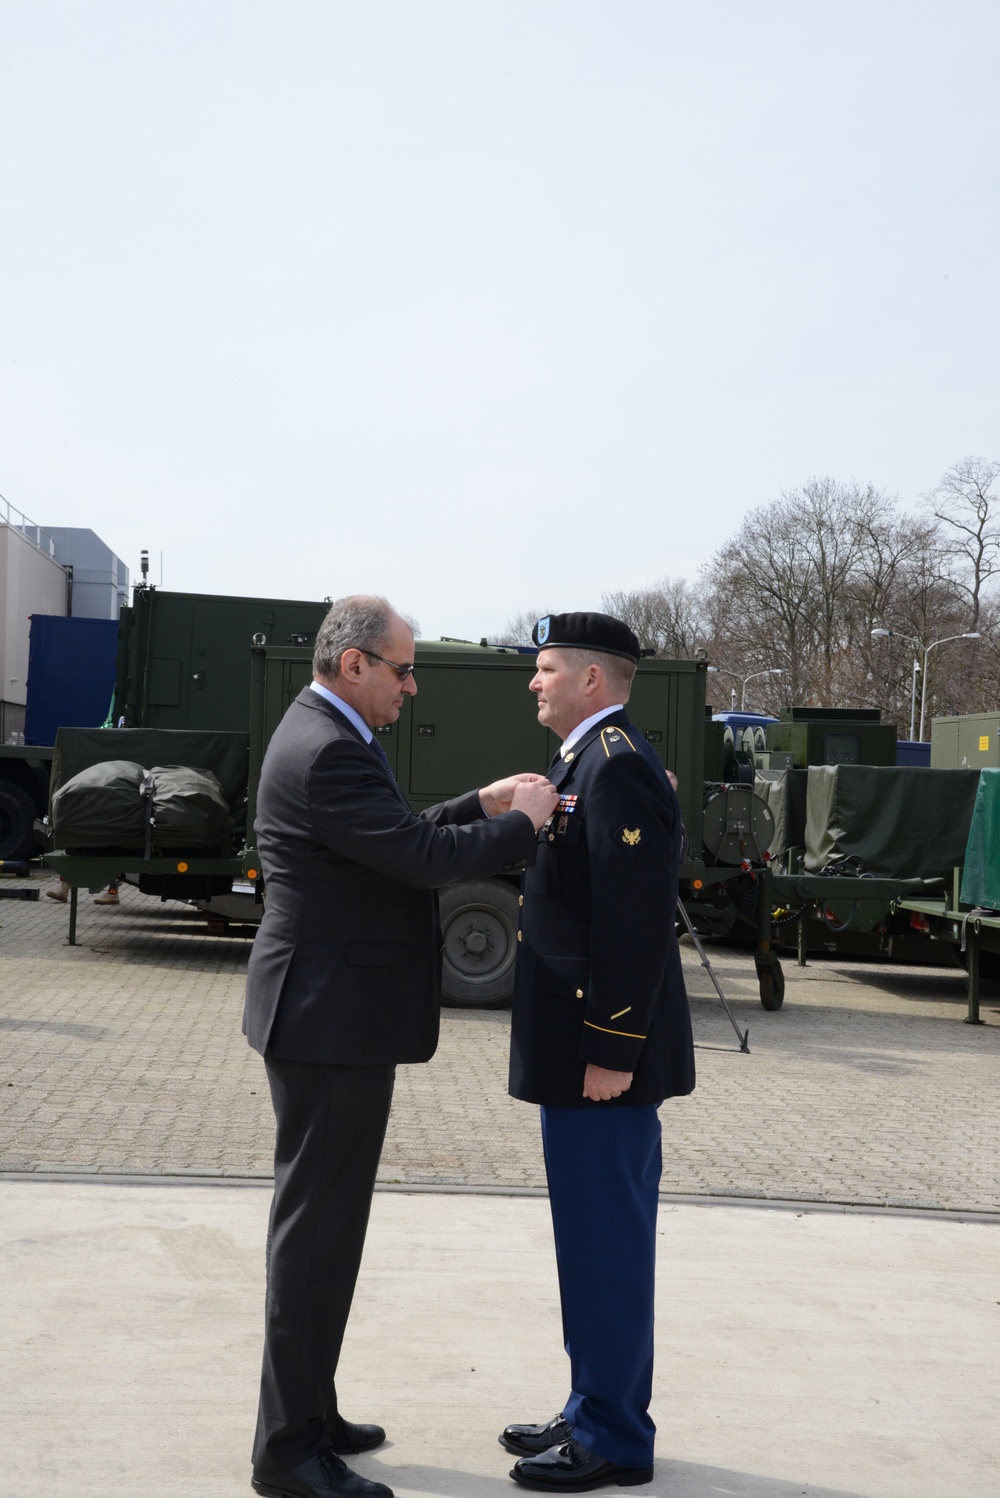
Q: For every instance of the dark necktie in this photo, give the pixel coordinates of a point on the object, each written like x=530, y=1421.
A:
x=380, y=754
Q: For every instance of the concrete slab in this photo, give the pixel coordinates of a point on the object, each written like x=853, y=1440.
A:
x=799, y=1352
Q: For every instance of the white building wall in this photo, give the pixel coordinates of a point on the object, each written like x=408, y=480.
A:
x=30, y=583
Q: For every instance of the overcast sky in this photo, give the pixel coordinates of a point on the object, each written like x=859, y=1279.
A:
x=486, y=306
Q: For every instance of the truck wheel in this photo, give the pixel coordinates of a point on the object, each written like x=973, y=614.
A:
x=17, y=821
x=770, y=980
x=479, y=930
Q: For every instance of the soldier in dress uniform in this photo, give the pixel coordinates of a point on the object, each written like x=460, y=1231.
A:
x=601, y=1035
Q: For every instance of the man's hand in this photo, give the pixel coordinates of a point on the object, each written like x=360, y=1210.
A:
x=537, y=798
x=599, y=1084
x=496, y=798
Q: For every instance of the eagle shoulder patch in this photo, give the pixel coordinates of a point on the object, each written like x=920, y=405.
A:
x=629, y=837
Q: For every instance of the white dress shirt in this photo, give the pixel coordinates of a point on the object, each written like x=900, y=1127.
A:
x=345, y=707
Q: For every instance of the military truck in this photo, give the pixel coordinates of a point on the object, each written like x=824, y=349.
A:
x=182, y=697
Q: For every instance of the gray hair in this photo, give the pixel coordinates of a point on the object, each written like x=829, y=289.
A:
x=617, y=670
x=362, y=622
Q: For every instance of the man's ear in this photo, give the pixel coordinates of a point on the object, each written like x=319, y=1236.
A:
x=350, y=663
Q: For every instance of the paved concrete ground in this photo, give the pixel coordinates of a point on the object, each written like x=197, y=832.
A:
x=125, y=1054
x=838, y=1356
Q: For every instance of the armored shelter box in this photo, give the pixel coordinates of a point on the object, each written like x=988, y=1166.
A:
x=473, y=719
x=182, y=657
x=968, y=742
x=831, y=736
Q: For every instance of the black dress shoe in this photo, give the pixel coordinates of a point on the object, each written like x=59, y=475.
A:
x=571, y=1468
x=347, y=1439
x=530, y=1440
x=322, y=1476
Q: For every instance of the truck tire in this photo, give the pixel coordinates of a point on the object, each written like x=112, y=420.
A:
x=479, y=943
x=17, y=821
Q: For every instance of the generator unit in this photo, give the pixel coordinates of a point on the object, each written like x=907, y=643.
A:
x=829, y=736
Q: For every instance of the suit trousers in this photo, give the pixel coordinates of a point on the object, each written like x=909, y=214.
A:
x=603, y=1168
x=331, y=1123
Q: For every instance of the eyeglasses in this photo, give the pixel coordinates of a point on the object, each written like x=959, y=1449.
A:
x=401, y=671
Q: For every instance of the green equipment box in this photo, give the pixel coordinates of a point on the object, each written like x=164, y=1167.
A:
x=830, y=736
x=182, y=656
x=971, y=742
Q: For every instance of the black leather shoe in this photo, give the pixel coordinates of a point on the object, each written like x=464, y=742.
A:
x=347, y=1439
x=322, y=1476
x=531, y=1440
x=571, y=1468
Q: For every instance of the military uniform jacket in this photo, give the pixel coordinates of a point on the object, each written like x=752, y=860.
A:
x=599, y=974
x=346, y=965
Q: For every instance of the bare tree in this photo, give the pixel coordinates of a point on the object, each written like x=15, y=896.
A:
x=517, y=630
x=967, y=504
x=667, y=617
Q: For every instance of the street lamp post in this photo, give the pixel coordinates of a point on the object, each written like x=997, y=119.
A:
x=771, y=671
x=888, y=634
x=974, y=635
x=720, y=671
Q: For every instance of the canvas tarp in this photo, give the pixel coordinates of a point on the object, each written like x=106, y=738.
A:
x=905, y=823
x=225, y=754
x=981, y=880
x=784, y=791
x=108, y=806
x=189, y=809
x=102, y=806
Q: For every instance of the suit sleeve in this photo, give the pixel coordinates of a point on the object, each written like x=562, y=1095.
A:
x=633, y=828
x=358, y=813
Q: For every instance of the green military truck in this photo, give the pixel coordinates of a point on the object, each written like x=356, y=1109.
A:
x=182, y=698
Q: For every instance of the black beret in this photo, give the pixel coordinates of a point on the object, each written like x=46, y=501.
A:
x=597, y=632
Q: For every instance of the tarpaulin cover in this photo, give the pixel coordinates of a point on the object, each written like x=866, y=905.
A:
x=981, y=880
x=785, y=793
x=189, y=809
x=905, y=823
x=107, y=805
x=225, y=754
x=100, y=807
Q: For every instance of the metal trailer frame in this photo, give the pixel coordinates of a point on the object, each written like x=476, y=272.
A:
x=94, y=872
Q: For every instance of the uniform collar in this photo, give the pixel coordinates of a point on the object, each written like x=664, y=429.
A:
x=573, y=738
x=562, y=768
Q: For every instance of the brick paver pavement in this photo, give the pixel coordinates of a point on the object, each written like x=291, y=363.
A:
x=124, y=1055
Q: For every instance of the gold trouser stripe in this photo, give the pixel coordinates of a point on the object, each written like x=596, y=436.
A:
x=605, y=1031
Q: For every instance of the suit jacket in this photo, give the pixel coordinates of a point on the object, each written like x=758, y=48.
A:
x=599, y=974
x=346, y=964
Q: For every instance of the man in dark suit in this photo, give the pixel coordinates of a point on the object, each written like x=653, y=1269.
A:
x=343, y=984
x=601, y=1034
